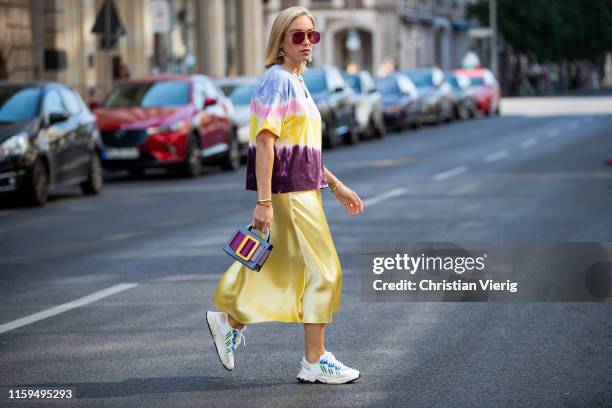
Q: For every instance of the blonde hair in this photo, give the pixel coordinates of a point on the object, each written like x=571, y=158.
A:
x=278, y=31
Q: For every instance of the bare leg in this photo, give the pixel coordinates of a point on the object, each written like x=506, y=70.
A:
x=314, y=341
x=234, y=323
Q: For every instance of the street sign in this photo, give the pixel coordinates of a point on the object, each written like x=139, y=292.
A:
x=108, y=25
x=160, y=15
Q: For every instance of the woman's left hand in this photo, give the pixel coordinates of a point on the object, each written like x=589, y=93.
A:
x=349, y=199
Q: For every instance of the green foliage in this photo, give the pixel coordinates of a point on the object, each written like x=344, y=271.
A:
x=553, y=30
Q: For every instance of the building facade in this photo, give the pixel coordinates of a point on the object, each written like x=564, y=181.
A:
x=55, y=39
x=404, y=34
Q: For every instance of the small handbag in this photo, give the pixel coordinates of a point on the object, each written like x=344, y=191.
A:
x=249, y=248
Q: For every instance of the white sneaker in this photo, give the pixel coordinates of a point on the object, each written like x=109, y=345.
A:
x=226, y=338
x=327, y=371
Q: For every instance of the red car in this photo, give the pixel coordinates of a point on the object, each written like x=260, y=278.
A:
x=487, y=91
x=174, y=122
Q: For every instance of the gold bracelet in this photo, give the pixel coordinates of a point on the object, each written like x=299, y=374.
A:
x=267, y=203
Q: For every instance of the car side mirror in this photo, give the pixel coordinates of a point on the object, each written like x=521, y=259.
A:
x=57, y=117
x=209, y=102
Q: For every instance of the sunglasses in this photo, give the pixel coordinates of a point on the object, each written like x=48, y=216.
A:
x=298, y=37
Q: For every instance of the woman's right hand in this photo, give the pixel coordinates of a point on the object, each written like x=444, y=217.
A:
x=262, y=218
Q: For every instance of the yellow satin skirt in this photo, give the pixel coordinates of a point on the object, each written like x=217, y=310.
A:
x=301, y=281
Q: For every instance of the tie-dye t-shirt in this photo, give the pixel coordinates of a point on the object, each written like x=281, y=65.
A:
x=282, y=105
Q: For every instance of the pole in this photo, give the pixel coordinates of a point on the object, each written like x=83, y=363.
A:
x=107, y=42
x=493, y=38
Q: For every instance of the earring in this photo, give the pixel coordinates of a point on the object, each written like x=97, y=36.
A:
x=281, y=54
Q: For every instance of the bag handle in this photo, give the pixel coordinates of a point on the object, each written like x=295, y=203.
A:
x=266, y=237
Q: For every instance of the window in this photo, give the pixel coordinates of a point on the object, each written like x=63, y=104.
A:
x=407, y=86
x=315, y=81
x=211, y=90
x=53, y=103
x=353, y=82
x=368, y=84
x=421, y=78
x=149, y=94
x=18, y=104
x=477, y=80
x=387, y=86
x=198, y=94
x=335, y=80
x=241, y=95
x=70, y=101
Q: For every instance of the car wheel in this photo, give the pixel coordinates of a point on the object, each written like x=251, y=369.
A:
x=192, y=166
x=95, y=177
x=37, y=187
x=233, y=159
x=379, y=128
x=352, y=137
x=403, y=122
x=329, y=137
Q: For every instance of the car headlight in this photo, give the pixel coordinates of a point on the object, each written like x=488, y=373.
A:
x=15, y=145
x=171, y=128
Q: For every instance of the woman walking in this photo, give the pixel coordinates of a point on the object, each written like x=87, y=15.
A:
x=302, y=278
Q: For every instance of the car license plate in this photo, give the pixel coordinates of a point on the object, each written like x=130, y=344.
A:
x=122, y=154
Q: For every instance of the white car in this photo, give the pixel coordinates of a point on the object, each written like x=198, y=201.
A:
x=368, y=104
x=239, y=91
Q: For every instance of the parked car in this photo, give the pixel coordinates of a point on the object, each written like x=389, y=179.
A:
x=334, y=99
x=434, y=93
x=48, y=139
x=400, y=100
x=486, y=89
x=172, y=122
x=241, y=99
x=228, y=84
x=464, y=103
x=368, y=104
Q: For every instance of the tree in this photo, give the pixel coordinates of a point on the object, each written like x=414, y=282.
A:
x=553, y=30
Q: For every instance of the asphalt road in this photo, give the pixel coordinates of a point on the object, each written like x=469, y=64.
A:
x=535, y=174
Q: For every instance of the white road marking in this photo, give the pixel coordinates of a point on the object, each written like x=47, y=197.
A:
x=450, y=173
x=389, y=194
x=65, y=307
x=552, y=133
x=496, y=156
x=526, y=144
